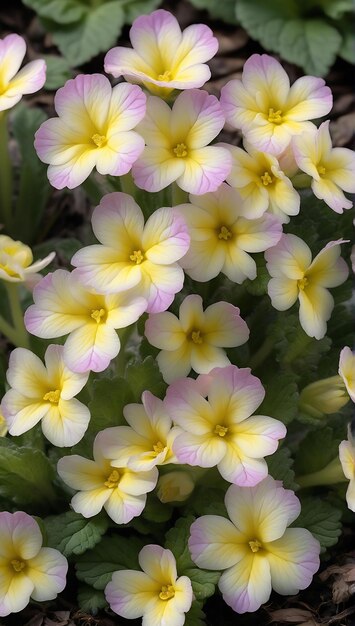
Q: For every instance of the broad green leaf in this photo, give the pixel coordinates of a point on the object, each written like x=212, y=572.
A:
x=64, y=249
x=258, y=286
x=280, y=467
x=25, y=474
x=91, y=600
x=281, y=398
x=96, y=566
x=94, y=33
x=34, y=188
x=60, y=11
x=225, y=10
x=316, y=450
x=58, y=71
x=195, y=616
x=347, y=48
x=203, y=582
x=135, y=8
x=321, y=519
x=155, y=511
x=206, y=500
x=145, y=375
x=336, y=8
x=71, y=533
x=264, y=21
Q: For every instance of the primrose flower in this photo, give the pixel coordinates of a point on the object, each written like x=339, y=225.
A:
x=94, y=129
x=267, y=110
x=221, y=236
x=26, y=569
x=215, y=427
x=347, y=370
x=146, y=442
x=177, y=144
x=119, y=490
x=14, y=83
x=255, y=547
x=296, y=276
x=196, y=338
x=332, y=169
x=45, y=392
x=62, y=306
x=323, y=397
x=262, y=184
x=156, y=593
x=16, y=262
x=134, y=254
x=175, y=486
x=347, y=460
x=163, y=58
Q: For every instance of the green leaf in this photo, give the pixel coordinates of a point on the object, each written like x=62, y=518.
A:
x=25, y=474
x=203, y=582
x=281, y=398
x=145, y=375
x=218, y=10
x=96, y=566
x=258, y=286
x=348, y=44
x=64, y=249
x=336, y=8
x=195, y=616
x=34, y=188
x=96, y=32
x=71, y=533
x=207, y=500
x=280, y=467
x=91, y=600
x=316, y=450
x=135, y=8
x=60, y=11
x=321, y=519
x=155, y=511
x=264, y=21
x=58, y=71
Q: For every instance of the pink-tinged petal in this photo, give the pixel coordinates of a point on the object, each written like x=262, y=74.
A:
x=74, y=173
x=236, y=390
x=129, y=592
x=126, y=62
x=84, y=102
x=198, y=45
x=350, y=495
x=91, y=347
x=119, y=154
x=12, y=52
x=25, y=533
x=156, y=37
x=158, y=563
x=290, y=258
x=258, y=436
x=259, y=234
x=268, y=508
x=156, y=126
x=273, y=139
x=187, y=408
x=138, y=483
x=223, y=326
x=124, y=309
x=160, y=284
x=29, y=80
x=26, y=373
x=196, y=119
x=316, y=306
x=293, y=560
x=47, y=571
x=332, y=195
x=157, y=168
x=80, y=473
x=283, y=293
x=122, y=507
x=15, y=593
x=21, y=413
x=237, y=468
x=215, y=543
x=165, y=237
x=247, y=585
x=238, y=104
x=164, y=331
x=308, y=99
x=107, y=270
x=340, y=166
x=118, y=221
x=175, y=364
x=347, y=371
x=327, y=269
x=66, y=424
x=56, y=143
x=127, y=108
x=307, y=153
x=205, y=170
x=90, y=503
x=262, y=73
x=202, y=450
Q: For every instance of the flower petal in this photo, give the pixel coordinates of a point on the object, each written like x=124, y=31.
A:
x=215, y=543
x=47, y=571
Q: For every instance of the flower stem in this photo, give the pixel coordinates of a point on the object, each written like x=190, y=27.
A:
x=20, y=337
x=7, y=330
x=178, y=196
x=329, y=475
x=5, y=174
x=260, y=355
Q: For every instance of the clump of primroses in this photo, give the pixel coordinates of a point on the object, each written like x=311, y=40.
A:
x=209, y=423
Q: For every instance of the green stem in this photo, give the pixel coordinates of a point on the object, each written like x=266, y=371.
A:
x=178, y=196
x=5, y=175
x=121, y=359
x=21, y=335
x=260, y=355
x=329, y=475
x=127, y=184
x=7, y=330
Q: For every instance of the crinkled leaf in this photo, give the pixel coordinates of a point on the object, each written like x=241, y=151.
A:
x=336, y=8
x=258, y=286
x=96, y=32
x=135, y=8
x=195, y=616
x=317, y=449
x=281, y=397
x=280, y=466
x=321, y=519
x=61, y=11
x=71, y=533
x=58, y=71
x=96, y=566
x=155, y=511
x=91, y=600
x=25, y=474
x=144, y=375
x=203, y=582
x=348, y=44
x=218, y=10
x=207, y=500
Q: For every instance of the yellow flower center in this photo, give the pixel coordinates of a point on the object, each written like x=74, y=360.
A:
x=137, y=257
x=52, y=396
x=196, y=337
x=302, y=283
x=220, y=430
x=17, y=565
x=255, y=545
x=266, y=179
x=167, y=592
x=113, y=479
x=180, y=150
x=99, y=140
x=224, y=233
x=98, y=315
x=158, y=448
x=166, y=76
x=275, y=117
x=321, y=170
